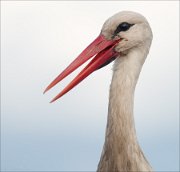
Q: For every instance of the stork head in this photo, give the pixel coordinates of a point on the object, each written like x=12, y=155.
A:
x=120, y=33
x=131, y=27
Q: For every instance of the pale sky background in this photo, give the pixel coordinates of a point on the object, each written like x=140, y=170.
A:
x=38, y=40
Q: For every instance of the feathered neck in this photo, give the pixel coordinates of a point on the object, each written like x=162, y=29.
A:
x=121, y=150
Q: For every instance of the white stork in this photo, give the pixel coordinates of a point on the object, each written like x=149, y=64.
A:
x=126, y=38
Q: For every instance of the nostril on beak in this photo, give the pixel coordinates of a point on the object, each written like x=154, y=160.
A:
x=116, y=37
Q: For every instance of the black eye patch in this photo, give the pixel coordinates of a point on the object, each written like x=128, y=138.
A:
x=122, y=27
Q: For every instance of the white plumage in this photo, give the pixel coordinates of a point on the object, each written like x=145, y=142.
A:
x=121, y=150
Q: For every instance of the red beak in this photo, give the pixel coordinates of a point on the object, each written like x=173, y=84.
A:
x=101, y=48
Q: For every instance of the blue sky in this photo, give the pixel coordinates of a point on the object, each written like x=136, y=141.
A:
x=38, y=40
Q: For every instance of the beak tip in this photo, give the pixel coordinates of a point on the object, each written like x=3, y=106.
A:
x=47, y=89
x=53, y=100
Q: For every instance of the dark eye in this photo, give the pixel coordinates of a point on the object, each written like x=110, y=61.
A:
x=122, y=27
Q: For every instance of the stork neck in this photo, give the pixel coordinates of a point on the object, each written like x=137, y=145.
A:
x=121, y=99
x=121, y=149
